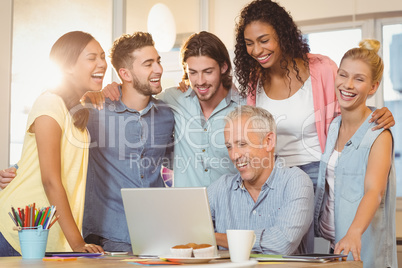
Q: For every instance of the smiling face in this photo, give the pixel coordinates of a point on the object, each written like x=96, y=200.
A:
x=146, y=71
x=249, y=150
x=354, y=84
x=90, y=67
x=261, y=43
x=205, y=78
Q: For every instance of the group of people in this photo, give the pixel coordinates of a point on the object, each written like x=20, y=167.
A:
x=287, y=174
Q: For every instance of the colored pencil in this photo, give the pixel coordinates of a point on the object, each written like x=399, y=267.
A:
x=33, y=214
x=9, y=213
x=23, y=217
x=41, y=217
x=55, y=219
x=15, y=216
x=19, y=219
x=44, y=218
x=49, y=219
x=26, y=216
x=38, y=218
x=33, y=217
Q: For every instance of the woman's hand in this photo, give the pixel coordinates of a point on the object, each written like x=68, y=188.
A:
x=6, y=176
x=91, y=248
x=95, y=97
x=383, y=117
x=183, y=86
x=111, y=91
x=351, y=242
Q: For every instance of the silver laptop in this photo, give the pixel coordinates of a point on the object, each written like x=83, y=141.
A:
x=160, y=218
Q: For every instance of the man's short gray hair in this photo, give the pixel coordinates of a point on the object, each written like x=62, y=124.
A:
x=260, y=119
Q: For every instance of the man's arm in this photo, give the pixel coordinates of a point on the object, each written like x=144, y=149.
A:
x=222, y=240
x=292, y=221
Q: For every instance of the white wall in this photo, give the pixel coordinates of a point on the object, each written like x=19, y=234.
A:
x=224, y=13
x=5, y=78
x=185, y=13
x=320, y=9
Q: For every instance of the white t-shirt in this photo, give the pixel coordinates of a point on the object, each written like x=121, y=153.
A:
x=297, y=142
x=327, y=220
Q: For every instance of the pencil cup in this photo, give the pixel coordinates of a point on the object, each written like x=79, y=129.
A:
x=33, y=242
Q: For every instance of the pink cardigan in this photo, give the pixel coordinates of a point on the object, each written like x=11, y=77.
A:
x=322, y=71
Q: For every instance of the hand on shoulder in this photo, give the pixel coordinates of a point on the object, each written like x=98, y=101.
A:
x=6, y=176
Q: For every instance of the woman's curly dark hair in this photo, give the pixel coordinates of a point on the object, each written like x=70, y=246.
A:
x=290, y=40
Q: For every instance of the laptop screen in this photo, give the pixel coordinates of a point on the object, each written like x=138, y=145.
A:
x=160, y=218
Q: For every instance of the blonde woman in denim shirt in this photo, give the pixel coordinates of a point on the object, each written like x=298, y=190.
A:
x=355, y=198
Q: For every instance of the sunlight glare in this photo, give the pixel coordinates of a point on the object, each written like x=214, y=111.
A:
x=53, y=74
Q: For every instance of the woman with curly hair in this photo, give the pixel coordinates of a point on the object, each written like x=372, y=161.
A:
x=276, y=71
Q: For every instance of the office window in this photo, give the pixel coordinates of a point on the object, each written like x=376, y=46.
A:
x=392, y=84
x=334, y=43
x=36, y=26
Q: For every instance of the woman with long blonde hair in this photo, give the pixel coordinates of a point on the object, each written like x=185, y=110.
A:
x=356, y=196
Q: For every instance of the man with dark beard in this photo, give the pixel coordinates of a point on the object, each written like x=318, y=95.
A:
x=130, y=139
x=200, y=155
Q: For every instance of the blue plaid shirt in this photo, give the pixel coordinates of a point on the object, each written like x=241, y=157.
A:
x=281, y=216
x=200, y=154
x=127, y=150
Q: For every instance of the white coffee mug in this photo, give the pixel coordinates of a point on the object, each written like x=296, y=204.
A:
x=240, y=244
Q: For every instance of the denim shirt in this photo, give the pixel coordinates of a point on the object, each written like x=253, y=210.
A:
x=200, y=154
x=281, y=216
x=379, y=240
x=127, y=149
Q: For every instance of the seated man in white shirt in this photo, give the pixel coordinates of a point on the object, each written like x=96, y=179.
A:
x=276, y=202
